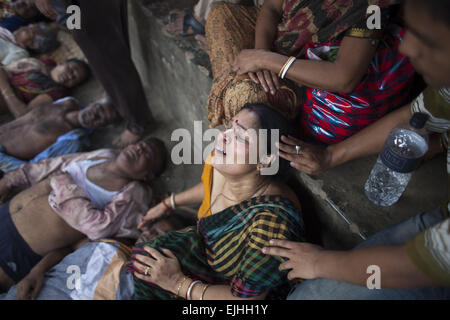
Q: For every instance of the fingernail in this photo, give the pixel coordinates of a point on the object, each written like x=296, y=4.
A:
x=264, y=250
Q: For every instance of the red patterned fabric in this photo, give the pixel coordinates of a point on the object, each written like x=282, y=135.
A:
x=332, y=117
x=31, y=83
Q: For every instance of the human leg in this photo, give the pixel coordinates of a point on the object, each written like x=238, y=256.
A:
x=105, y=43
x=16, y=256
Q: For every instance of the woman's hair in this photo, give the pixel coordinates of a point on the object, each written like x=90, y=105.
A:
x=163, y=153
x=46, y=40
x=438, y=9
x=271, y=120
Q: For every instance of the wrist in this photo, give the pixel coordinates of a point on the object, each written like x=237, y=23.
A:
x=318, y=264
x=166, y=204
x=178, y=283
x=333, y=156
x=262, y=59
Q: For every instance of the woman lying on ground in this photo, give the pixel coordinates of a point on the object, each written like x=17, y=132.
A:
x=36, y=38
x=316, y=58
x=220, y=258
x=30, y=82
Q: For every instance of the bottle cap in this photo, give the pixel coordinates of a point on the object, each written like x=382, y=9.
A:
x=418, y=120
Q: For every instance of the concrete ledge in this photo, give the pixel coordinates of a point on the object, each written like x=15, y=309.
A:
x=177, y=80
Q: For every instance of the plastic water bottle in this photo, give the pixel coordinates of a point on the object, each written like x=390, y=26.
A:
x=402, y=153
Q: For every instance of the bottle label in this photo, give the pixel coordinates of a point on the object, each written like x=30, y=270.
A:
x=398, y=163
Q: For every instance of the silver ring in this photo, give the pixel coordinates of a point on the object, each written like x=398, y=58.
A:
x=298, y=149
x=146, y=270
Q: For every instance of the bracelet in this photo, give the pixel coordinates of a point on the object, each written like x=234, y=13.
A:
x=204, y=290
x=165, y=205
x=288, y=65
x=191, y=286
x=288, y=61
x=180, y=285
x=186, y=296
x=172, y=201
x=284, y=66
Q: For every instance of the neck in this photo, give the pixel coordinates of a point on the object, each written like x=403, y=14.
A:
x=112, y=172
x=72, y=117
x=242, y=188
x=52, y=75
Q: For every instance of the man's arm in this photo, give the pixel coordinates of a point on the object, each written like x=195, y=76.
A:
x=72, y=204
x=31, y=173
x=14, y=104
x=369, y=141
x=309, y=261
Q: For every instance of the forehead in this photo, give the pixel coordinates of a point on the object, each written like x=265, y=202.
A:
x=423, y=25
x=247, y=118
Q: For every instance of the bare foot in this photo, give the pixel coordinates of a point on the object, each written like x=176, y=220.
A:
x=201, y=41
x=125, y=139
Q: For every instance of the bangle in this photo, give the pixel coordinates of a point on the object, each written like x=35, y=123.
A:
x=186, y=296
x=288, y=65
x=204, y=290
x=191, y=286
x=172, y=201
x=284, y=66
x=180, y=285
x=165, y=205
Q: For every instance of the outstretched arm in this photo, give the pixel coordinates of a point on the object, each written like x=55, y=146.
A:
x=309, y=261
x=14, y=104
x=315, y=160
x=191, y=196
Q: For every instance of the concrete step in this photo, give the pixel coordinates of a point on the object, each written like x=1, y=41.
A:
x=177, y=80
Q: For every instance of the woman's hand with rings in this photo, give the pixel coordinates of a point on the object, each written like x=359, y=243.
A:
x=304, y=157
x=162, y=270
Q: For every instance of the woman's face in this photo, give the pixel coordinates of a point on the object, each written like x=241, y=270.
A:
x=69, y=74
x=236, y=151
x=139, y=160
